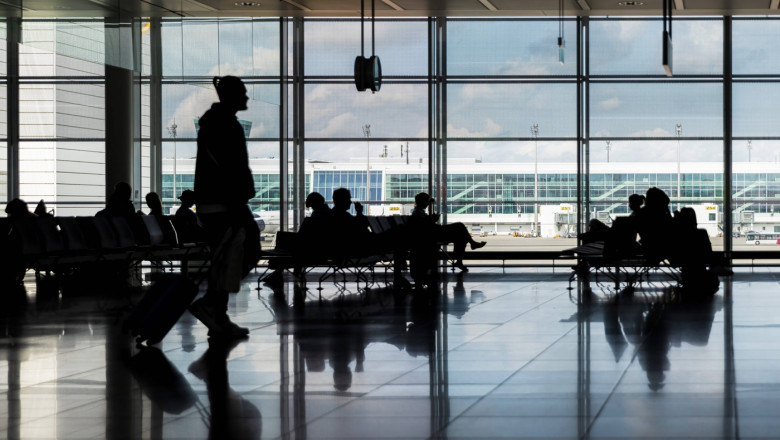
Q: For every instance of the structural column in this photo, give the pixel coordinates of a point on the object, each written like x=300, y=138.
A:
x=119, y=129
x=14, y=33
x=299, y=150
x=727, y=141
x=155, y=106
x=284, y=175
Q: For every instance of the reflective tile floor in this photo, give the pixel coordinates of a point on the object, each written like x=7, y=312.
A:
x=493, y=355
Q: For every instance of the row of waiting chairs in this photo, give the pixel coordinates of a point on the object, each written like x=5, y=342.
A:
x=49, y=243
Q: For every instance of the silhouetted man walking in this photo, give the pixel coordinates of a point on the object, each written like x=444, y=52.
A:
x=224, y=185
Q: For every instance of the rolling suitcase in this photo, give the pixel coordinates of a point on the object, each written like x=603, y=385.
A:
x=168, y=298
x=157, y=312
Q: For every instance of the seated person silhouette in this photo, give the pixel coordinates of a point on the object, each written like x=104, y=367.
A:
x=314, y=234
x=424, y=224
x=309, y=245
x=185, y=221
x=692, y=252
x=12, y=269
x=350, y=232
x=598, y=231
x=154, y=204
x=654, y=225
x=119, y=203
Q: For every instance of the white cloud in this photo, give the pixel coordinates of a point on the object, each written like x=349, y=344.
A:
x=320, y=93
x=478, y=91
x=655, y=132
x=629, y=30
x=609, y=104
x=337, y=126
x=520, y=66
x=397, y=95
x=490, y=128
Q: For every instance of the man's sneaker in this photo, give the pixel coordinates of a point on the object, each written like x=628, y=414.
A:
x=208, y=315
x=229, y=330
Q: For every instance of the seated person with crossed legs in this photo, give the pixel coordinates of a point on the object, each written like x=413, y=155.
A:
x=424, y=225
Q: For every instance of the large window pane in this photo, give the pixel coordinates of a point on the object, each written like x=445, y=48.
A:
x=399, y=170
x=512, y=47
x=755, y=51
x=653, y=110
x=338, y=111
x=331, y=47
x=755, y=106
x=756, y=194
x=508, y=190
x=509, y=110
x=183, y=104
x=240, y=47
x=690, y=172
x=633, y=47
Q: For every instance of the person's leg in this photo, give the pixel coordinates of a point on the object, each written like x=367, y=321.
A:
x=457, y=234
x=211, y=309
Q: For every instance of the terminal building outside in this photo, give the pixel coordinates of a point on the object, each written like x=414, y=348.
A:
x=498, y=199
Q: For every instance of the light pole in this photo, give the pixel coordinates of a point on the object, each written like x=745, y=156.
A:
x=535, y=133
x=367, y=133
x=678, y=129
x=172, y=132
x=608, y=148
x=749, y=148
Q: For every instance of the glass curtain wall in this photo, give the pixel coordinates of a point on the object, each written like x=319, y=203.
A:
x=756, y=141
x=196, y=50
x=511, y=131
x=350, y=135
x=62, y=115
x=648, y=130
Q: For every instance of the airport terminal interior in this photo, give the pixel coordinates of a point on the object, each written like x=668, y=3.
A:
x=524, y=121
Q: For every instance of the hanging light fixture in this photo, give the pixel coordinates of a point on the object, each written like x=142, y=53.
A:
x=368, y=71
x=561, y=41
x=666, y=52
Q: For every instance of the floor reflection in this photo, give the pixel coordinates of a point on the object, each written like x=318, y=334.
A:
x=332, y=334
x=642, y=323
x=484, y=355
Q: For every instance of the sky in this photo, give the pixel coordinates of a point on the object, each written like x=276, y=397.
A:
x=477, y=108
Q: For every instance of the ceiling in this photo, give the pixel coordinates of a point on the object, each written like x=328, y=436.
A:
x=384, y=8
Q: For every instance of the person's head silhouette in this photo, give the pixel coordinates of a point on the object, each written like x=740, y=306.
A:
x=342, y=199
x=122, y=191
x=154, y=203
x=422, y=200
x=686, y=218
x=187, y=198
x=656, y=199
x=231, y=92
x=635, y=201
x=17, y=208
x=315, y=201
